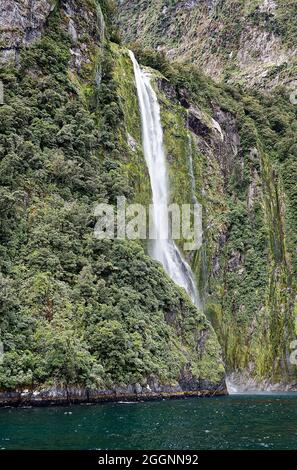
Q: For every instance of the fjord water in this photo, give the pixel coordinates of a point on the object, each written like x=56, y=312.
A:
x=163, y=247
x=236, y=422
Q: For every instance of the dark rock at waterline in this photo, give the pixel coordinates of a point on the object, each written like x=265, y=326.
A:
x=188, y=383
x=134, y=392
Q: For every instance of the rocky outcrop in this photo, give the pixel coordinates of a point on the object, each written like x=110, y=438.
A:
x=242, y=382
x=83, y=24
x=252, y=44
x=153, y=390
x=23, y=22
x=258, y=53
x=196, y=124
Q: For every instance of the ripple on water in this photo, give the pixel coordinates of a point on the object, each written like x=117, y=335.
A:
x=265, y=422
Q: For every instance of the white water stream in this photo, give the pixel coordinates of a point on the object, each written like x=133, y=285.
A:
x=163, y=247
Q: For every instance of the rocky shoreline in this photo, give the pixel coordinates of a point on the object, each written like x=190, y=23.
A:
x=242, y=383
x=75, y=395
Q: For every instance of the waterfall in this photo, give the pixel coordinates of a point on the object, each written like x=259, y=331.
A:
x=163, y=248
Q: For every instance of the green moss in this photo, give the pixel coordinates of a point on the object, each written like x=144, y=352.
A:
x=75, y=310
x=250, y=304
x=217, y=44
x=133, y=158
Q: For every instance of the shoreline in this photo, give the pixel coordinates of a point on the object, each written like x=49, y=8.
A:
x=65, y=397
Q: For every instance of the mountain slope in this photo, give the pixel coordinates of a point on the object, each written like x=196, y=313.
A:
x=251, y=42
x=243, y=149
x=100, y=318
x=81, y=318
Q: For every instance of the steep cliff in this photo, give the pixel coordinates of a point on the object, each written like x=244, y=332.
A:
x=100, y=318
x=248, y=42
x=242, y=148
x=82, y=318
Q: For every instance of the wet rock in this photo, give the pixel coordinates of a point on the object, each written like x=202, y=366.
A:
x=196, y=123
x=132, y=142
x=168, y=89
x=138, y=388
x=72, y=31
x=187, y=386
x=21, y=22
x=253, y=191
x=235, y=261
x=188, y=382
x=242, y=382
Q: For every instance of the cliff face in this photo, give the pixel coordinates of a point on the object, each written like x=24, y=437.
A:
x=244, y=267
x=82, y=318
x=21, y=23
x=242, y=156
x=250, y=42
x=243, y=151
x=101, y=315
x=24, y=22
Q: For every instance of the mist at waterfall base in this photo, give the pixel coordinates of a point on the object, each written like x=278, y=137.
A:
x=238, y=422
x=163, y=249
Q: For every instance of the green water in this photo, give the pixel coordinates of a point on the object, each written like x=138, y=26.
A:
x=238, y=422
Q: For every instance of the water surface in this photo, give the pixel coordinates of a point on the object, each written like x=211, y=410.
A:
x=236, y=422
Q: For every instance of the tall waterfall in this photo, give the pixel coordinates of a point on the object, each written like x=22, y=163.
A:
x=163, y=247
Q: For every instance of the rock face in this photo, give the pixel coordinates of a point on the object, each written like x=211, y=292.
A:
x=247, y=42
x=135, y=392
x=21, y=22
x=82, y=22
x=242, y=266
x=243, y=383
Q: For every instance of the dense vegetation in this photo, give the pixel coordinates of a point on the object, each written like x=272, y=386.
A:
x=240, y=41
x=73, y=309
x=250, y=229
x=76, y=310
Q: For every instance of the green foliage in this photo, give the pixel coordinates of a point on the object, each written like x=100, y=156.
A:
x=75, y=310
x=249, y=211
x=218, y=38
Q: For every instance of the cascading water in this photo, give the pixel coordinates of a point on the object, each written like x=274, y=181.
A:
x=163, y=247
